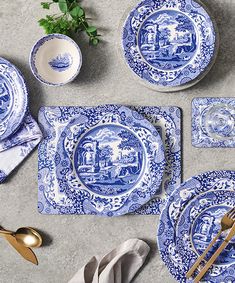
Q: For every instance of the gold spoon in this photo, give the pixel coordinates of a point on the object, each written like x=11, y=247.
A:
x=26, y=236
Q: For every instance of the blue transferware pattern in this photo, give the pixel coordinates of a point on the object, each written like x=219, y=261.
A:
x=105, y=160
x=14, y=149
x=62, y=62
x=213, y=122
x=169, y=43
x=167, y=121
x=13, y=98
x=190, y=218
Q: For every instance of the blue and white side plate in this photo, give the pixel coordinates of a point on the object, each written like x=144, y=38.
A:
x=191, y=219
x=106, y=160
x=55, y=59
x=170, y=44
x=13, y=98
x=167, y=121
x=213, y=122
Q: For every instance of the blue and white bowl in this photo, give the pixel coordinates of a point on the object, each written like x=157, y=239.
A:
x=55, y=60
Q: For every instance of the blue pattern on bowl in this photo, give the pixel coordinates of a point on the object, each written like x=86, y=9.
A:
x=62, y=62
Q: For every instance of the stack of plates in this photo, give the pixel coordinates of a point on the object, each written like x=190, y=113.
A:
x=190, y=221
x=169, y=44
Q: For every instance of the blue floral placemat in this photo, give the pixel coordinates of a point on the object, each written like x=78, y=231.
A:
x=167, y=121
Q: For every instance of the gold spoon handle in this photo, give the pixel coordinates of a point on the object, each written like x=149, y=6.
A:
x=199, y=260
x=5, y=232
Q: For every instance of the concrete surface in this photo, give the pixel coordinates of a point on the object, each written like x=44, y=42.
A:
x=72, y=240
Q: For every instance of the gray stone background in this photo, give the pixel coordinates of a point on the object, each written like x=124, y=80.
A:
x=70, y=241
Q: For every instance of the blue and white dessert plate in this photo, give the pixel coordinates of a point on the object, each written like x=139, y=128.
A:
x=13, y=98
x=190, y=220
x=167, y=121
x=170, y=44
x=213, y=122
x=106, y=160
x=55, y=59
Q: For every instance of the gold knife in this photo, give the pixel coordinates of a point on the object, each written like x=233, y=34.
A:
x=26, y=253
x=216, y=254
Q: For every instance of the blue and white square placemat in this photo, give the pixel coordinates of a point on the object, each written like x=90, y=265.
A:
x=167, y=121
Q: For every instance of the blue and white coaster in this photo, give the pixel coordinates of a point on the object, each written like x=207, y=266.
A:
x=169, y=44
x=213, y=122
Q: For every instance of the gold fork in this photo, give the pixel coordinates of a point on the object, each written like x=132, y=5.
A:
x=226, y=223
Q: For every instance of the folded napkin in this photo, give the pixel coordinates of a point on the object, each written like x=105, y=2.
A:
x=14, y=149
x=118, y=266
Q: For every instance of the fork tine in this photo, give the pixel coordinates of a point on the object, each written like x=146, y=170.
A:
x=232, y=215
x=231, y=212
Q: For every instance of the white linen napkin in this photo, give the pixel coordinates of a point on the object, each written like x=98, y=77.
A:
x=14, y=149
x=118, y=266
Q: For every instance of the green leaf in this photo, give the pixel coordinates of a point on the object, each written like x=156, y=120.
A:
x=75, y=12
x=81, y=13
x=63, y=6
x=92, y=30
x=45, y=5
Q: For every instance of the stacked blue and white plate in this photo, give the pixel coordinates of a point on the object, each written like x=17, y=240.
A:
x=190, y=221
x=170, y=44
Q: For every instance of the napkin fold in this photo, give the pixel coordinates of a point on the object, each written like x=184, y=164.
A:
x=118, y=266
x=14, y=149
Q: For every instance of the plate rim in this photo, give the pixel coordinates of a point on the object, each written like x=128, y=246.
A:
x=11, y=130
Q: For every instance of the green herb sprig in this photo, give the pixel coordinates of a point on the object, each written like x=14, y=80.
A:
x=72, y=19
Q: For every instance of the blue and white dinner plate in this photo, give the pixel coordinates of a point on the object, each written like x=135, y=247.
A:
x=191, y=219
x=108, y=160
x=170, y=44
x=13, y=98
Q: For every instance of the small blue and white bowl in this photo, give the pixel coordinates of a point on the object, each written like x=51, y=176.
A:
x=55, y=59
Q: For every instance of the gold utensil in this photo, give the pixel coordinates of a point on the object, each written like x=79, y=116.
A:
x=25, y=236
x=226, y=223
x=25, y=252
x=215, y=255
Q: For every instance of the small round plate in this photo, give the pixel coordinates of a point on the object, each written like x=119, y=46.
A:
x=170, y=44
x=115, y=159
x=55, y=60
x=13, y=98
x=189, y=221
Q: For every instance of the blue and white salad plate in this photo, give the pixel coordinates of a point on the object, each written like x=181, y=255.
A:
x=106, y=160
x=13, y=98
x=55, y=59
x=213, y=122
x=190, y=220
x=170, y=44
